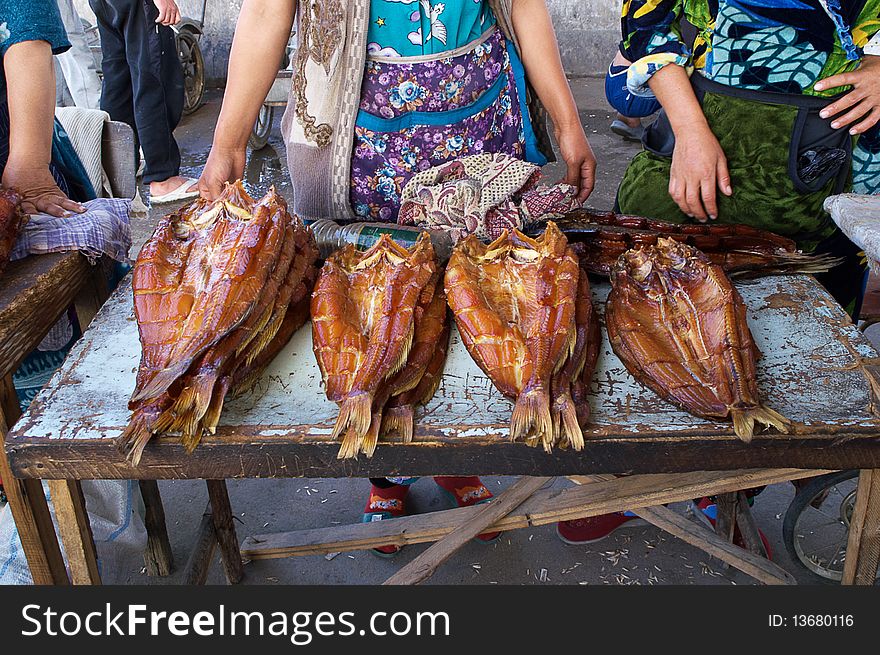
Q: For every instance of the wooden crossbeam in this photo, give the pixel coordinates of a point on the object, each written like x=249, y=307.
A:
x=544, y=507
x=423, y=566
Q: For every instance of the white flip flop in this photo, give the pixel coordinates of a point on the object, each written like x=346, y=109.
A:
x=180, y=193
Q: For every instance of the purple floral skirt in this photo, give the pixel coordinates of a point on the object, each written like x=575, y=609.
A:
x=414, y=116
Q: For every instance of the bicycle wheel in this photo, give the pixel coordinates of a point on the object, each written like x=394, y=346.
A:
x=193, y=70
x=262, y=128
x=816, y=525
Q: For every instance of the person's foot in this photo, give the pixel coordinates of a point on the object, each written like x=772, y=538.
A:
x=622, y=126
x=384, y=504
x=173, y=189
x=594, y=528
x=465, y=492
x=708, y=511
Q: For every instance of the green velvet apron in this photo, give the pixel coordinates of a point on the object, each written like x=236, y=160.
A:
x=756, y=138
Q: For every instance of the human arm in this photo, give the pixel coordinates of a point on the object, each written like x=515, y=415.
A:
x=169, y=12
x=862, y=101
x=30, y=80
x=261, y=36
x=699, y=166
x=540, y=56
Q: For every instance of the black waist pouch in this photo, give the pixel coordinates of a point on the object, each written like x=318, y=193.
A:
x=818, y=153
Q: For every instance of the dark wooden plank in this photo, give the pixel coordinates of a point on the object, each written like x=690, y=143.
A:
x=216, y=458
x=748, y=528
x=34, y=292
x=199, y=563
x=76, y=531
x=224, y=528
x=423, y=566
x=863, y=548
x=545, y=507
x=158, y=557
x=29, y=507
x=700, y=536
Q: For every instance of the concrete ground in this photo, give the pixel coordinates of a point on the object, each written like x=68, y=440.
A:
x=634, y=555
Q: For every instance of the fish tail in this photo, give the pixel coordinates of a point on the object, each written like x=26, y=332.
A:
x=192, y=435
x=194, y=400
x=744, y=421
x=354, y=420
x=215, y=408
x=398, y=421
x=371, y=438
x=567, y=428
x=531, y=420
x=135, y=437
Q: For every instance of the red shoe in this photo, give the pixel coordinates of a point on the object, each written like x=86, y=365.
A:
x=593, y=528
x=708, y=511
x=385, y=504
x=465, y=492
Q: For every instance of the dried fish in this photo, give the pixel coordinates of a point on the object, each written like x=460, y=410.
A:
x=679, y=326
x=363, y=328
x=514, y=302
x=218, y=290
x=11, y=221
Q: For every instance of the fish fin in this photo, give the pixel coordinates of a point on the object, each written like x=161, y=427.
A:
x=135, y=438
x=355, y=416
x=567, y=428
x=400, y=362
x=215, y=408
x=531, y=419
x=266, y=336
x=744, y=421
x=191, y=405
x=371, y=438
x=398, y=421
x=192, y=435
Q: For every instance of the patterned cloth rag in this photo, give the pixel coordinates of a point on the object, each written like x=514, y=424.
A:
x=483, y=195
x=102, y=230
x=858, y=217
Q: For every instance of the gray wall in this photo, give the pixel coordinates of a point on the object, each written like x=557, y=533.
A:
x=588, y=32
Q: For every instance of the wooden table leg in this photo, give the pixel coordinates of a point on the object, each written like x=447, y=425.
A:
x=748, y=528
x=863, y=548
x=224, y=527
x=158, y=557
x=93, y=294
x=75, y=530
x=196, y=571
x=28, y=504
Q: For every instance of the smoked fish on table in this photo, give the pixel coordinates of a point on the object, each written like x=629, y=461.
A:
x=370, y=312
x=11, y=220
x=741, y=250
x=521, y=307
x=679, y=326
x=212, y=289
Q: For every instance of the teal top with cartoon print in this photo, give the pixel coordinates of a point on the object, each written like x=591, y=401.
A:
x=413, y=28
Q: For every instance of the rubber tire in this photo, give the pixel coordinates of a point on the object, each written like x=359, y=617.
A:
x=262, y=128
x=800, y=502
x=192, y=100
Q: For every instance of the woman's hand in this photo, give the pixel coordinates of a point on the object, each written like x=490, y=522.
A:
x=223, y=165
x=863, y=101
x=579, y=160
x=39, y=192
x=699, y=168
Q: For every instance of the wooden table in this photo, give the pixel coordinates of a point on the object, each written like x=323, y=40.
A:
x=816, y=369
x=34, y=293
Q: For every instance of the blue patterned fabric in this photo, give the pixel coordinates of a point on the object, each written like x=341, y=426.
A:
x=406, y=28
